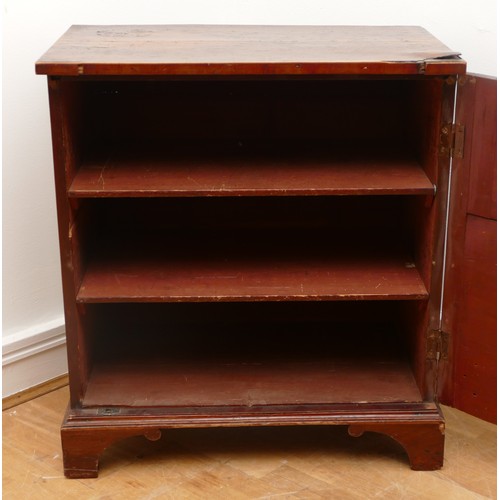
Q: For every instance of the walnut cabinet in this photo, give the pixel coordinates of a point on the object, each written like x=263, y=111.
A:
x=253, y=224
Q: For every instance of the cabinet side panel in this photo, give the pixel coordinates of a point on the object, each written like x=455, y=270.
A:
x=456, y=236
x=432, y=108
x=64, y=115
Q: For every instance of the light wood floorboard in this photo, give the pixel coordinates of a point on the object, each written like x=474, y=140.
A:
x=275, y=463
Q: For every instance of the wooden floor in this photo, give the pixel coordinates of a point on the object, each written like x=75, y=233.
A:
x=300, y=463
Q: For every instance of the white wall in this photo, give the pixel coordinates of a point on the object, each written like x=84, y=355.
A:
x=32, y=300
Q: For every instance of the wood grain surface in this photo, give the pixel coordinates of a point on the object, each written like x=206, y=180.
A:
x=170, y=173
x=470, y=304
x=255, y=383
x=248, y=266
x=476, y=360
x=483, y=155
x=233, y=50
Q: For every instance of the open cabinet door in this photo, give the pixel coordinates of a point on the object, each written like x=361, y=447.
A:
x=468, y=370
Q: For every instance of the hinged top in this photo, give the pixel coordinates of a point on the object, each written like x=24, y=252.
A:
x=248, y=50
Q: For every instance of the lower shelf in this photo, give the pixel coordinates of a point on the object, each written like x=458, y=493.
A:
x=251, y=383
x=193, y=355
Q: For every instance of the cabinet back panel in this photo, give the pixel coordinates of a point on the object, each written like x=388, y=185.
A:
x=345, y=213
x=247, y=111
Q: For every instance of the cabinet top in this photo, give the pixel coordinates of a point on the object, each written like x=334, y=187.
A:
x=248, y=50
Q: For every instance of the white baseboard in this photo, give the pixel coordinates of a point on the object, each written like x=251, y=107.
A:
x=33, y=356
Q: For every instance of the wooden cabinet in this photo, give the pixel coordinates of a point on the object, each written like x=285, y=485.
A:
x=252, y=229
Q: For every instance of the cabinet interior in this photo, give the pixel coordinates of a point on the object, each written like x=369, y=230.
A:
x=253, y=242
x=249, y=354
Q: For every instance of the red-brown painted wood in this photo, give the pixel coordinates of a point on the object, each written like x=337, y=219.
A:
x=86, y=433
x=475, y=372
x=65, y=114
x=468, y=379
x=306, y=111
x=428, y=222
x=170, y=173
x=424, y=444
x=256, y=382
x=249, y=353
x=248, y=50
x=483, y=157
x=214, y=267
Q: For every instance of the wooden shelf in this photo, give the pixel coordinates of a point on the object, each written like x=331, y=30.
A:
x=248, y=384
x=249, y=266
x=188, y=361
x=238, y=172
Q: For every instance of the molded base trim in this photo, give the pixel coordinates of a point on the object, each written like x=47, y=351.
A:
x=86, y=433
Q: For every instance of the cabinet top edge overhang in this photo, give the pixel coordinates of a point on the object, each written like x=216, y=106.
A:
x=151, y=50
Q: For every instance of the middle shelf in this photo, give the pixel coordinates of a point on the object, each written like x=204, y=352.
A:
x=239, y=170
x=253, y=266
x=250, y=249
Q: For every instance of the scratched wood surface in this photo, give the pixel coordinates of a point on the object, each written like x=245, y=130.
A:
x=303, y=462
x=248, y=353
x=191, y=174
x=157, y=50
x=245, y=267
x=223, y=383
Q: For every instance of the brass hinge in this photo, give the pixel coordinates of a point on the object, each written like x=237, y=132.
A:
x=437, y=344
x=451, y=141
